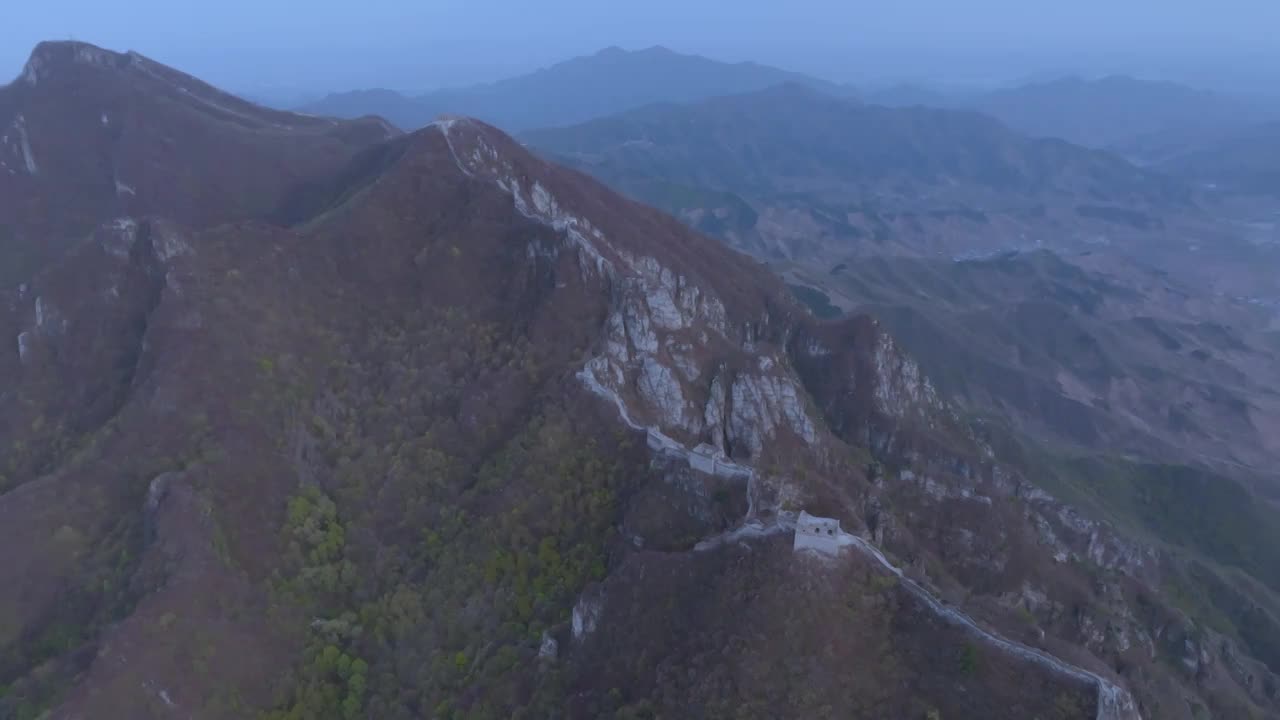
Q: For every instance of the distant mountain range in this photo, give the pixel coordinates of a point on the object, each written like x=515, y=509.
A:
x=1245, y=161
x=787, y=171
x=913, y=95
x=1139, y=118
x=1148, y=122
x=610, y=81
x=1145, y=120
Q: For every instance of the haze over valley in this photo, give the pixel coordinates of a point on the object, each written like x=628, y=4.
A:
x=590, y=375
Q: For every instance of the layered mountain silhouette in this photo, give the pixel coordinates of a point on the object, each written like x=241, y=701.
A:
x=789, y=171
x=1149, y=122
x=1142, y=119
x=1146, y=121
x=572, y=91
x=433, y=427
x=1245, y=161
x=913, y=95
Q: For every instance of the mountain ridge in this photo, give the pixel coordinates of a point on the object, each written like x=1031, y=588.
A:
x=572, y=90
x=98, y=133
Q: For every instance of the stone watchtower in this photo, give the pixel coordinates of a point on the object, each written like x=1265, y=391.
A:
x=817, y=533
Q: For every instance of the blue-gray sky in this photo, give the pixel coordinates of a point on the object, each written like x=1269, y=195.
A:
x=419, y=44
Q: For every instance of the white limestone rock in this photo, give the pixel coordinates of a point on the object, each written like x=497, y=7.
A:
x=120, y=237
x=617, y=345
x=168, y=242
x=715, y=413
x=659, y=387
x=901, y=389
x=549, y=647
x=586, y=615
x=761, y=405
x=24, y=346
x=48, y=320
x=684, y=361
x=640, y=332
x=24, y=146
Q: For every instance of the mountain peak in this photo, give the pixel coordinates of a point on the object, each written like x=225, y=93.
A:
x=51, y=56
x=616, y=53
x=89, y=75
x=75, y=101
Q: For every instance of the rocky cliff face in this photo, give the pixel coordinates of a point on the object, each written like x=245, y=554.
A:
x=671, y=356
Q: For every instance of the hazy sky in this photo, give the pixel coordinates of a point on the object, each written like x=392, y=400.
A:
x=418, y=44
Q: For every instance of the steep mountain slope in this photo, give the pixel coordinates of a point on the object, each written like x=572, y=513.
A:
x=790, y=172
x=465, y=434
x=88, y=135
x=1138, y=118
x=573, y=91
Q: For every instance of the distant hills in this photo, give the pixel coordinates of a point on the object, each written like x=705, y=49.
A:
x=912, y=95
x=1148, y=122
x=789, y=170
x=1142, y=119
x=1244, y=161
x=610, y=81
